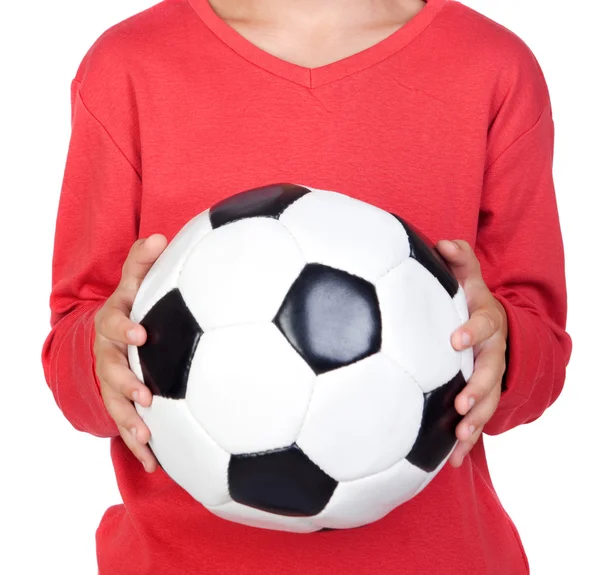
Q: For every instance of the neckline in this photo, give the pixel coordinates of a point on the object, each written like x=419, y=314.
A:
x=316, y=77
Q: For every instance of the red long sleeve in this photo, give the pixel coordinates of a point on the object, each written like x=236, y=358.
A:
x=97, y=224
x=520, y=249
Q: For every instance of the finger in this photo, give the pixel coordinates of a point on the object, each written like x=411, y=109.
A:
x=142, y=255
x=488, y=369
x=141, y=451
x=462, y=449
x=125, y=416
x=482, y=325
x=113, y=324
x=118, y=380
x=469, y=430
x=108, y=355
x=461, y=258
x=475, y=420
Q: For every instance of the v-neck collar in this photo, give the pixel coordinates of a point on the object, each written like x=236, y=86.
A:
x=316, y=77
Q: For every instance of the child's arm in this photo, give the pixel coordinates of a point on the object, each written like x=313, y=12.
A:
x=520, y=248
x=97, y=224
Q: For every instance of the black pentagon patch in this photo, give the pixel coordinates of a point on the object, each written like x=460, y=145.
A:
x=331, y=318
x=269, y=201
x=423, y=250
x=173, y=335
x=437, y=435
x=283, y=481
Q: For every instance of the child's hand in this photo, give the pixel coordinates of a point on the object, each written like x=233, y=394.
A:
x=114, y=330
x=486, y=331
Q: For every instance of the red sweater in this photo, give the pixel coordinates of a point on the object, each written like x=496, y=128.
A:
x=447, y=123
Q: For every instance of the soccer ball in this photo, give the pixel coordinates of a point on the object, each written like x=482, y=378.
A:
x=300, y=359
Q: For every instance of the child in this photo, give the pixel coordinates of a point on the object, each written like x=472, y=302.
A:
x=428, y=110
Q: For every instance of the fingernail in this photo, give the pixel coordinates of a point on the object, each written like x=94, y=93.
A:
x=133, y=432
x=132, y=335
x=471, y=429
x=465, y=339
x=471, y=402
x=136, y=396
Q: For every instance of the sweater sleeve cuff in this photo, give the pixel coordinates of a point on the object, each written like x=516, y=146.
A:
x=73, y=375
x=524, y=362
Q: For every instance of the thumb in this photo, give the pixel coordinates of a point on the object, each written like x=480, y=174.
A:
x=461, y=258
x=141, y=257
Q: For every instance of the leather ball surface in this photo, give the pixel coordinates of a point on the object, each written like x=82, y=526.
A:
x=300, y=361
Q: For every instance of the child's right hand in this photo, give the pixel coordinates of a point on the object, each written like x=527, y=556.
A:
x=114, y=331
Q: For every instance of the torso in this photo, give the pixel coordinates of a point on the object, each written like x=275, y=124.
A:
x=392, y=125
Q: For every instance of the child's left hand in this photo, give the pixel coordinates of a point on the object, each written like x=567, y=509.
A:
x=486, y=331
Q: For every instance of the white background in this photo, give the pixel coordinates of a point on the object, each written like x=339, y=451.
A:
x=56, y=482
